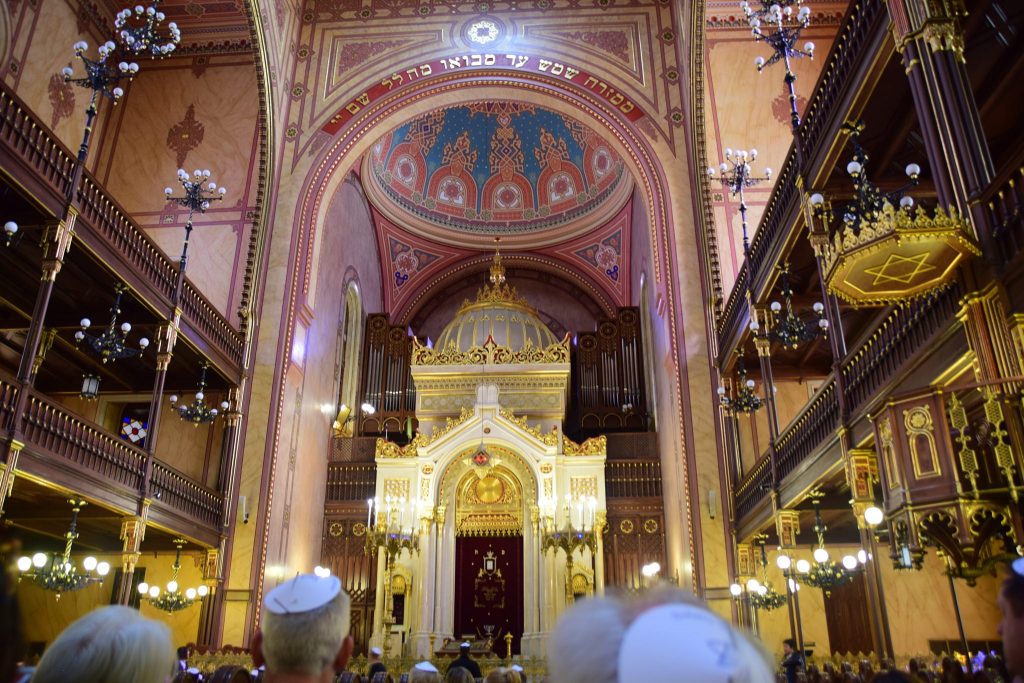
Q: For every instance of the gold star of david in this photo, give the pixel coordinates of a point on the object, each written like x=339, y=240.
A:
x=911, y=267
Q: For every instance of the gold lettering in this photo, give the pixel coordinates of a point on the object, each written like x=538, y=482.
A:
x=545, y=64
x=557, y=69
x=353, y=108
x=488, y=60
x=571, y=73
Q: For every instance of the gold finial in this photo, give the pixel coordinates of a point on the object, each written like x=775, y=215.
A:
x=497, y=268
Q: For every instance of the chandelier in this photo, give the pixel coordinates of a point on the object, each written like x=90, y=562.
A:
x=885, y=250
x=11, y=236
x=763, y=595
x=823, y=573
x=744, y=400
x=386, y=528
x=778, y=23
x=577, y=528
x=199, y=192
x=112, y=343
x=785, y=325
x=172, y=599
x=139, y=31
x=56, y=572
x=198, y=412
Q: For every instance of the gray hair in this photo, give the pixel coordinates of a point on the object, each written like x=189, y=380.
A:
x=114, y=644
x=584, y=647
x=305, y=642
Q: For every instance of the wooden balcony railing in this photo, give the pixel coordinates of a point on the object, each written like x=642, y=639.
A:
x=348, y=481
x=175, y=490
x=864, y=24
x=632, y=478
x=1004, y=209
x=907, y=330
x=105, y=228
x=55, y=433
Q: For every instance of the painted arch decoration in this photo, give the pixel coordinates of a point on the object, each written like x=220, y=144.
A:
x=496, y=168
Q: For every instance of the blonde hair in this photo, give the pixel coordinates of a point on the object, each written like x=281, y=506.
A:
x=112, y=644
x=584, y=647
x=305, y=642
x=503, y=675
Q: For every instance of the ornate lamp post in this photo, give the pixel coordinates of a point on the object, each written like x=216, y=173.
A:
x=736, y=176
x=778, y=24
x=56, y=572
x=578, y=530
x=785, y=325
x=102, y=79
x=763, y=595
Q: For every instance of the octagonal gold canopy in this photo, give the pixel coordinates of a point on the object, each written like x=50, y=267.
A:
x=897, y=256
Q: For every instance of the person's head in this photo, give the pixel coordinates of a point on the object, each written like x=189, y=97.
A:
x=502, y=675
x=789, y=646
x=183, y=652
x=464, y=649
x=375, y=654
x=1011, y=626
x=458, y=674
x=651, y=638
x=305, y=628
x=114, y=644
x=424, y=672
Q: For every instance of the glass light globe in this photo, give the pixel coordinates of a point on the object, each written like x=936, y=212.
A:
x=817, y=199
x=736, y=590
x=750, y=384
x=200, y=396
x=172, y=586
x=906, y=202
x=721, y=391
x=873, y=516
x=143, y=342
x=803, y=566
x=784, y=562
x=85, y=322
x=154, y=591
x=126, y=327
x=168, y=191
x=39, y=560
x=752, y=585
x=793, y=586
x=203, y=591
x=754, y=325
x=820, y=555
x=818, y=307
x=89, y=563
x=24, y=564
x=862, y=556
x=143, y=588
x=809, y=47
x=913, y=170
x=711, y=172
x=190, y=594
x=776, y=307
x=759, y=62
x=850, y=562
x=174, y=398
x=67, y=567
x=103, y=568
x=854, y=168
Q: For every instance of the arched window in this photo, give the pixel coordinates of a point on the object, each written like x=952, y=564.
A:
x=349, y=351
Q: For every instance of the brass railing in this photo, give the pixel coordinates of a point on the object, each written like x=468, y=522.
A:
x=348, y=481
x=105, y=226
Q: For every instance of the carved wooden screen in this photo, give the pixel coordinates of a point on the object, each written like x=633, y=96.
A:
x=608, y=375
x=343, y=553
x=387, y=381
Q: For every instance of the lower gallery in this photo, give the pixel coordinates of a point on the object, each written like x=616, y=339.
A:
x=491, y=309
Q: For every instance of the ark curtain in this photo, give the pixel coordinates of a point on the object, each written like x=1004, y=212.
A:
x=489, y=589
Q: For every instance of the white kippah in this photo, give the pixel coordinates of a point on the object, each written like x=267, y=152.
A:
x=304, y=593
x=376, y=651
x=670, y=639
x=426, y=666
x=516, y=667
x=466, y=644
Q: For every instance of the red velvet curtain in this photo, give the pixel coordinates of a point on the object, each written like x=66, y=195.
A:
x=489, y=589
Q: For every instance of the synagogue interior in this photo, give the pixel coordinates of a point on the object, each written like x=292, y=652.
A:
x=505, y=305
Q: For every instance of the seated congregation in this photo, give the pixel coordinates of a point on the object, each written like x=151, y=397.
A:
x=661, y=635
